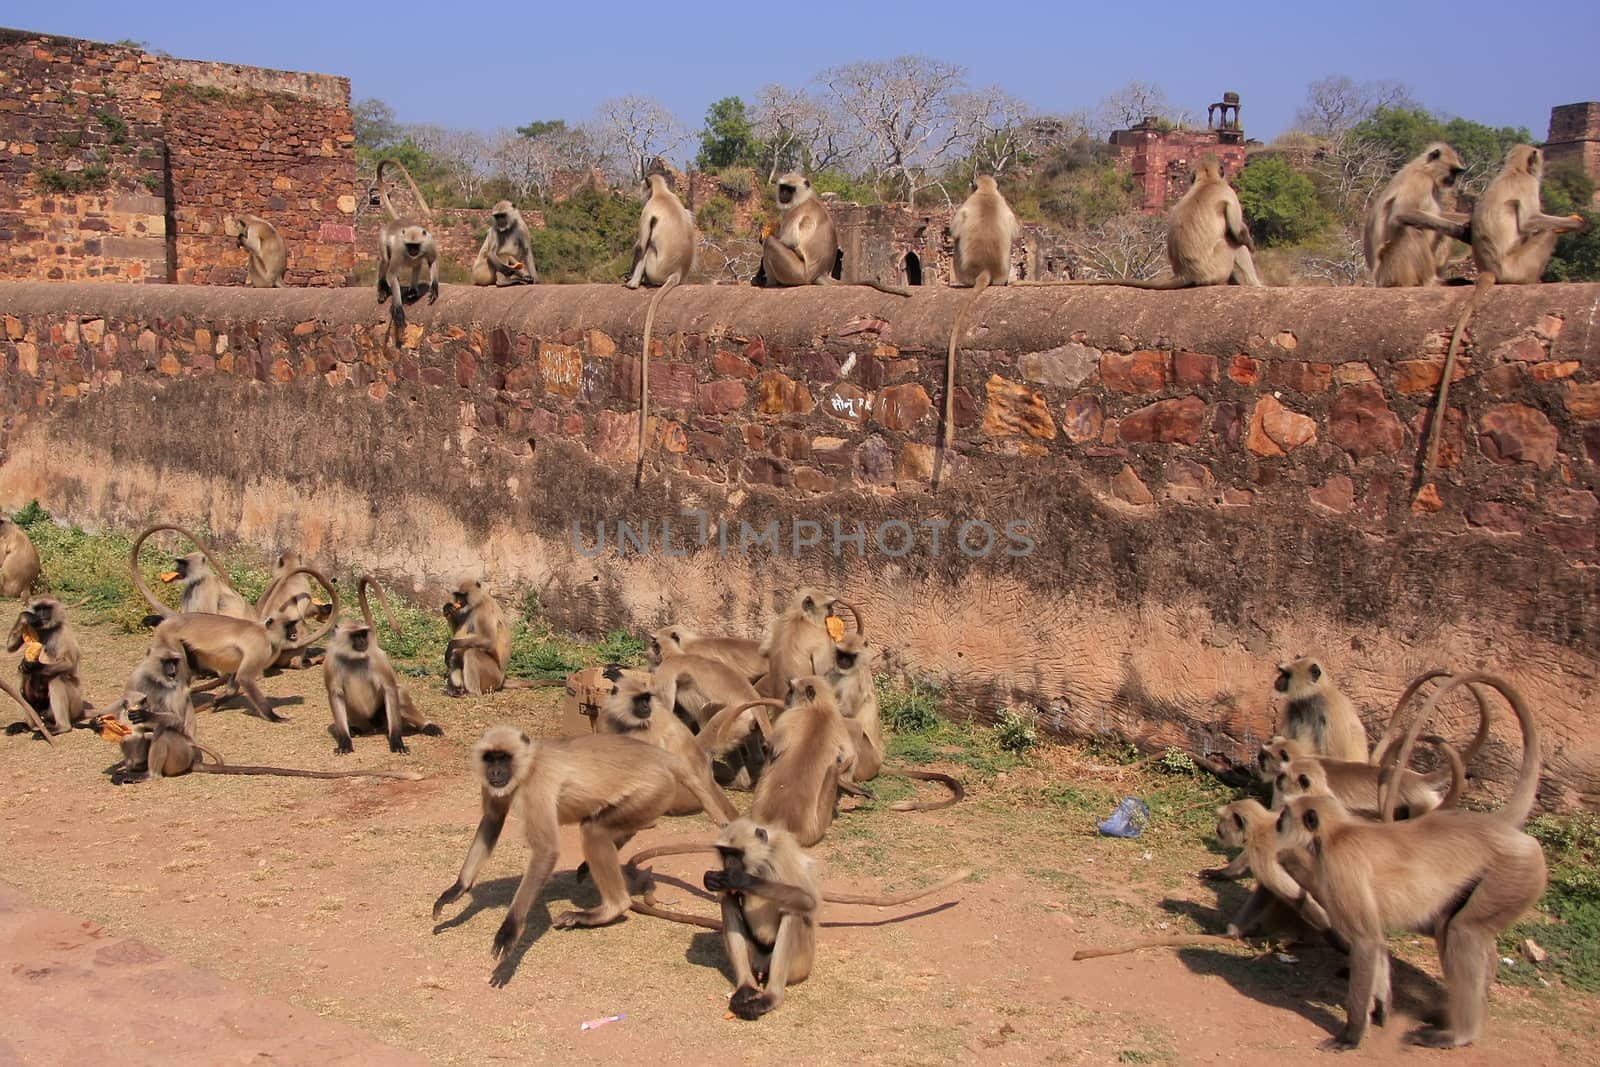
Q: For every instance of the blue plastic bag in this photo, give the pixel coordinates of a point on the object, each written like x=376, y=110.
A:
x=1128, y=820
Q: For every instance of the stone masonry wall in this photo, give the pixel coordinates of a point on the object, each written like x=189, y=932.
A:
x=1162, y=162
x=289, y=160
x=1574, y=137
x=1181, y=488
x=121, y=166
x=69, y=111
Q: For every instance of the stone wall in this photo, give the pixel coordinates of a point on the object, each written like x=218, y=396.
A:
x=82, y=162
x=1162, y=161
x=1179, y=489
x=116, y=165
x=1574, y=137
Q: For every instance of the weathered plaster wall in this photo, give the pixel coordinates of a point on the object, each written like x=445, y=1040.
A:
x=1211, y=480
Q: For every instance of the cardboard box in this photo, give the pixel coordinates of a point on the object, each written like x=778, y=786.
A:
x=587, y=690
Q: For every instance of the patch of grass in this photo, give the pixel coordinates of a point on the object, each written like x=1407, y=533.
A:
x=116, y=126
x=1570, y=931
x=422, y=636
x=538, y=652
x=1014, y=732
x=1109, y=750
x=209, y=93
x=90, y=572
x=954, y=742
x=1080, y=800
x=619, y=646
x=910, y=709
x=91, y=178
x=1175, y=761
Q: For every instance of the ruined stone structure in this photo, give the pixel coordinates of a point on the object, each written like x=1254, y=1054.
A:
x=1575, y=138
x=116, y=165
x=1161, y=157
x=905, y=246
x=1156, y=496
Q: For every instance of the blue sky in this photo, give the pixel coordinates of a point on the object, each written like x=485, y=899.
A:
x=485, y=66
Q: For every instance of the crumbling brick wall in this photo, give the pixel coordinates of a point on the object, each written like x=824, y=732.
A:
x=82, y=162
x=1162, y=161
x=1206, y=481
x=116, y=165
x=1575, y=138
x=263, y=152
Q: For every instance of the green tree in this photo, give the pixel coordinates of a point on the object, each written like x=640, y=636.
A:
x=728, y=139
x=1077, y=186
x=1405, y=132
x=375, y=126
x=1569, y=191
x=587, y=237
x=1280, y=202
x=541, y=127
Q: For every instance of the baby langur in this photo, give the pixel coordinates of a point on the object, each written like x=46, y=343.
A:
x=1316, y=713
x=611, y=787
x=48, y=670
x=1397, y=251
x=633, y=709
x=663, y=255
x=506, y=257
x=162, y=745
x=269, y=256
x=743, y=654
x=1208, y=242
x=982, y=229
x=19, y=560
x=205, y=583
x=806, y=246
x=404, y=244
x=363, y=688
x=857, y=693
x=1245, y=824
x=1462, y=876
x=1512, y=240
x=798, y=643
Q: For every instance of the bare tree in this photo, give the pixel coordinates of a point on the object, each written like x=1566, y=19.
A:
x=907, y=111
x=1337, y=103
x=798, y=130
x=465, y=155
x=1132, y=104
x=1131, y=245
x=428, y=137
x=1001, y=133
x=639, y=129
x=1355, y=169
x=531, y=164
x=1338, y=260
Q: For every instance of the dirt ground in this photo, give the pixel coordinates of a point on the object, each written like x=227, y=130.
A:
x=319, y=893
